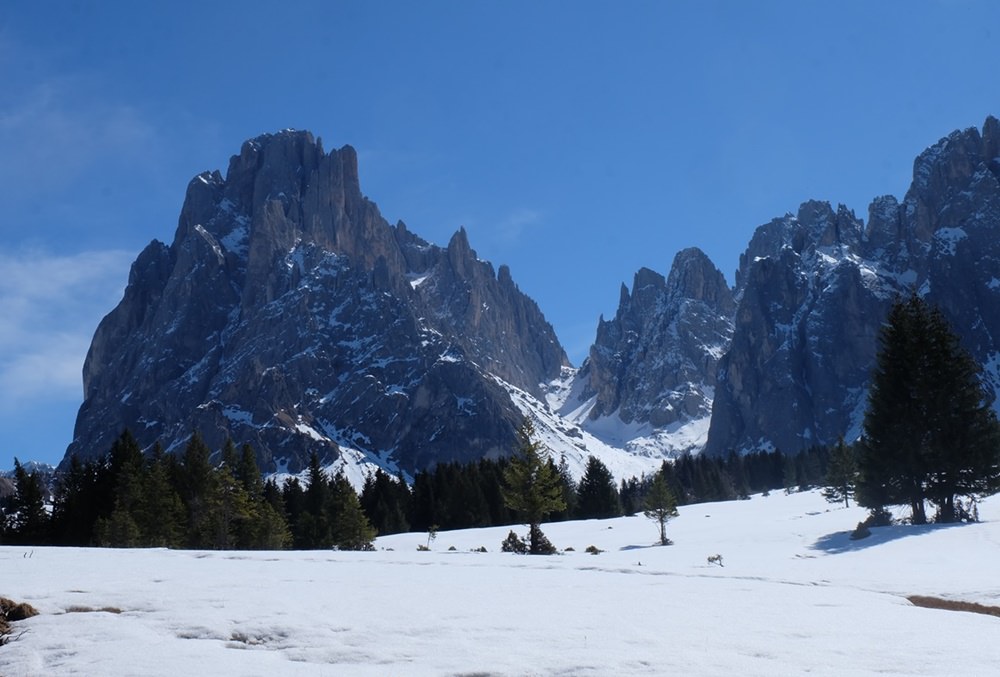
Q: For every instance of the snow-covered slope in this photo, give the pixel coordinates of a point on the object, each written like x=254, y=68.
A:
x=795, y=596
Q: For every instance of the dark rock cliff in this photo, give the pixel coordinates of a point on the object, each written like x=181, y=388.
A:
x=289, y=314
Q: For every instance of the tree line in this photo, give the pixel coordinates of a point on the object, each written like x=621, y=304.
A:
x=185, y=500
x=930, y=435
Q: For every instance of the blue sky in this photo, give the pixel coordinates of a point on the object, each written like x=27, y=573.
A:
x=575, y=141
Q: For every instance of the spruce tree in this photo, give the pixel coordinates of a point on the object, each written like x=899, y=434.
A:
x=29, y=523
x=351, y=529
x=160, y=518
x=313, y=528
x=929, y=431
x=841, y=474
x=197, y=488
x=532, y=486
x=660, y=505
x=596, y=496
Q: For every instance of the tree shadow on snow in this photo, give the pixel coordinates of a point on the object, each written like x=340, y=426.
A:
x=840, y=541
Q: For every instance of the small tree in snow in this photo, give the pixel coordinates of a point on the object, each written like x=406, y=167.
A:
x=660, y=505
x=532, y=486
x=841, y=475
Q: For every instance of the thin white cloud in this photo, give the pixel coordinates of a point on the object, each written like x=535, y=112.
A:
x=512, y=227
x=51, y=305
x=52, y=133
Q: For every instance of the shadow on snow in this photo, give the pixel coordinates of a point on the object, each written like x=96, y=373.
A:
x=840, y=541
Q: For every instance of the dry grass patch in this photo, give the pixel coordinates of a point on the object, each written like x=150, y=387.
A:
x=11, y=611
x=953, y=605
x=80, y=609
x=16, y=611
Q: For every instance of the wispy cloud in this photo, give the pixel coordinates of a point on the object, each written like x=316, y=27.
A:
x=51, y=305
x=513, y=226
x=52, y=133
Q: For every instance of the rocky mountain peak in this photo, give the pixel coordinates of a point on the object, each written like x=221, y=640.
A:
x=694, y=276
x=288, y=313
x=814, y=289
x=653, y=365
x=816, y=227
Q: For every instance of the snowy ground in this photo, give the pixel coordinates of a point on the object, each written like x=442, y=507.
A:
x=795, y=597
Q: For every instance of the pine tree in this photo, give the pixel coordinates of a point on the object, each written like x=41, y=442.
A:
x=74, y=510
x=120, y=529
x=660, y=505
x=313, y=529
x=160, y=518
x=29, y=523
x=596, y=496
x=351, y=529
x=532, y=486
x=929, y=431
x=196, y=484
x=384, y=500
x=841, y=475
x=569, y=488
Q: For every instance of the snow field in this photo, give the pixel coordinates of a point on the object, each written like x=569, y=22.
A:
x=794, y=597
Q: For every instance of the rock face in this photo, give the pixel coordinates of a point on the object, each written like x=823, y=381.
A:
x=289, y=314
x=813, y=290
x=653, y=366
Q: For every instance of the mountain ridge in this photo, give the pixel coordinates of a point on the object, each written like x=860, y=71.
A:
x=288, y=313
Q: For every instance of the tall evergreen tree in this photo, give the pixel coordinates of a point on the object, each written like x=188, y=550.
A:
x=929, y=431
x=313, y=529
x=385, y=501
x=161, y=518
x=532, y=486
x=596, y=496
x=75, y=504
x=196, y=483
x=29, y=523
x=350, y=528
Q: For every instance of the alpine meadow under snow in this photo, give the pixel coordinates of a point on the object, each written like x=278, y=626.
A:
x=794, y=595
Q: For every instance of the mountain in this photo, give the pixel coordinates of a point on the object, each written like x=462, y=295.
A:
x=813, y=290
x=783, y=360
x=648, y=382
x=289, y=314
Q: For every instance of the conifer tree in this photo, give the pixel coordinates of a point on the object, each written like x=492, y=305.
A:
x=197, y=487
x=351, y=529
x=384, y=500
x=160, y=518
x=313, y=529
x=569, y=488
x=74, y=510
x=929, y=431
x=29, y=522
x=532, y=486
x=660, y=504
x=120, y=529
x=841, y=474
x=596, y=496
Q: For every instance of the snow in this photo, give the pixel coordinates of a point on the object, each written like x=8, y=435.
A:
x=565, y=439
x=417, y=280
x=649, y=444
x=238, y=240
x=794, y=596
x=210, y=239
x=948, y=238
